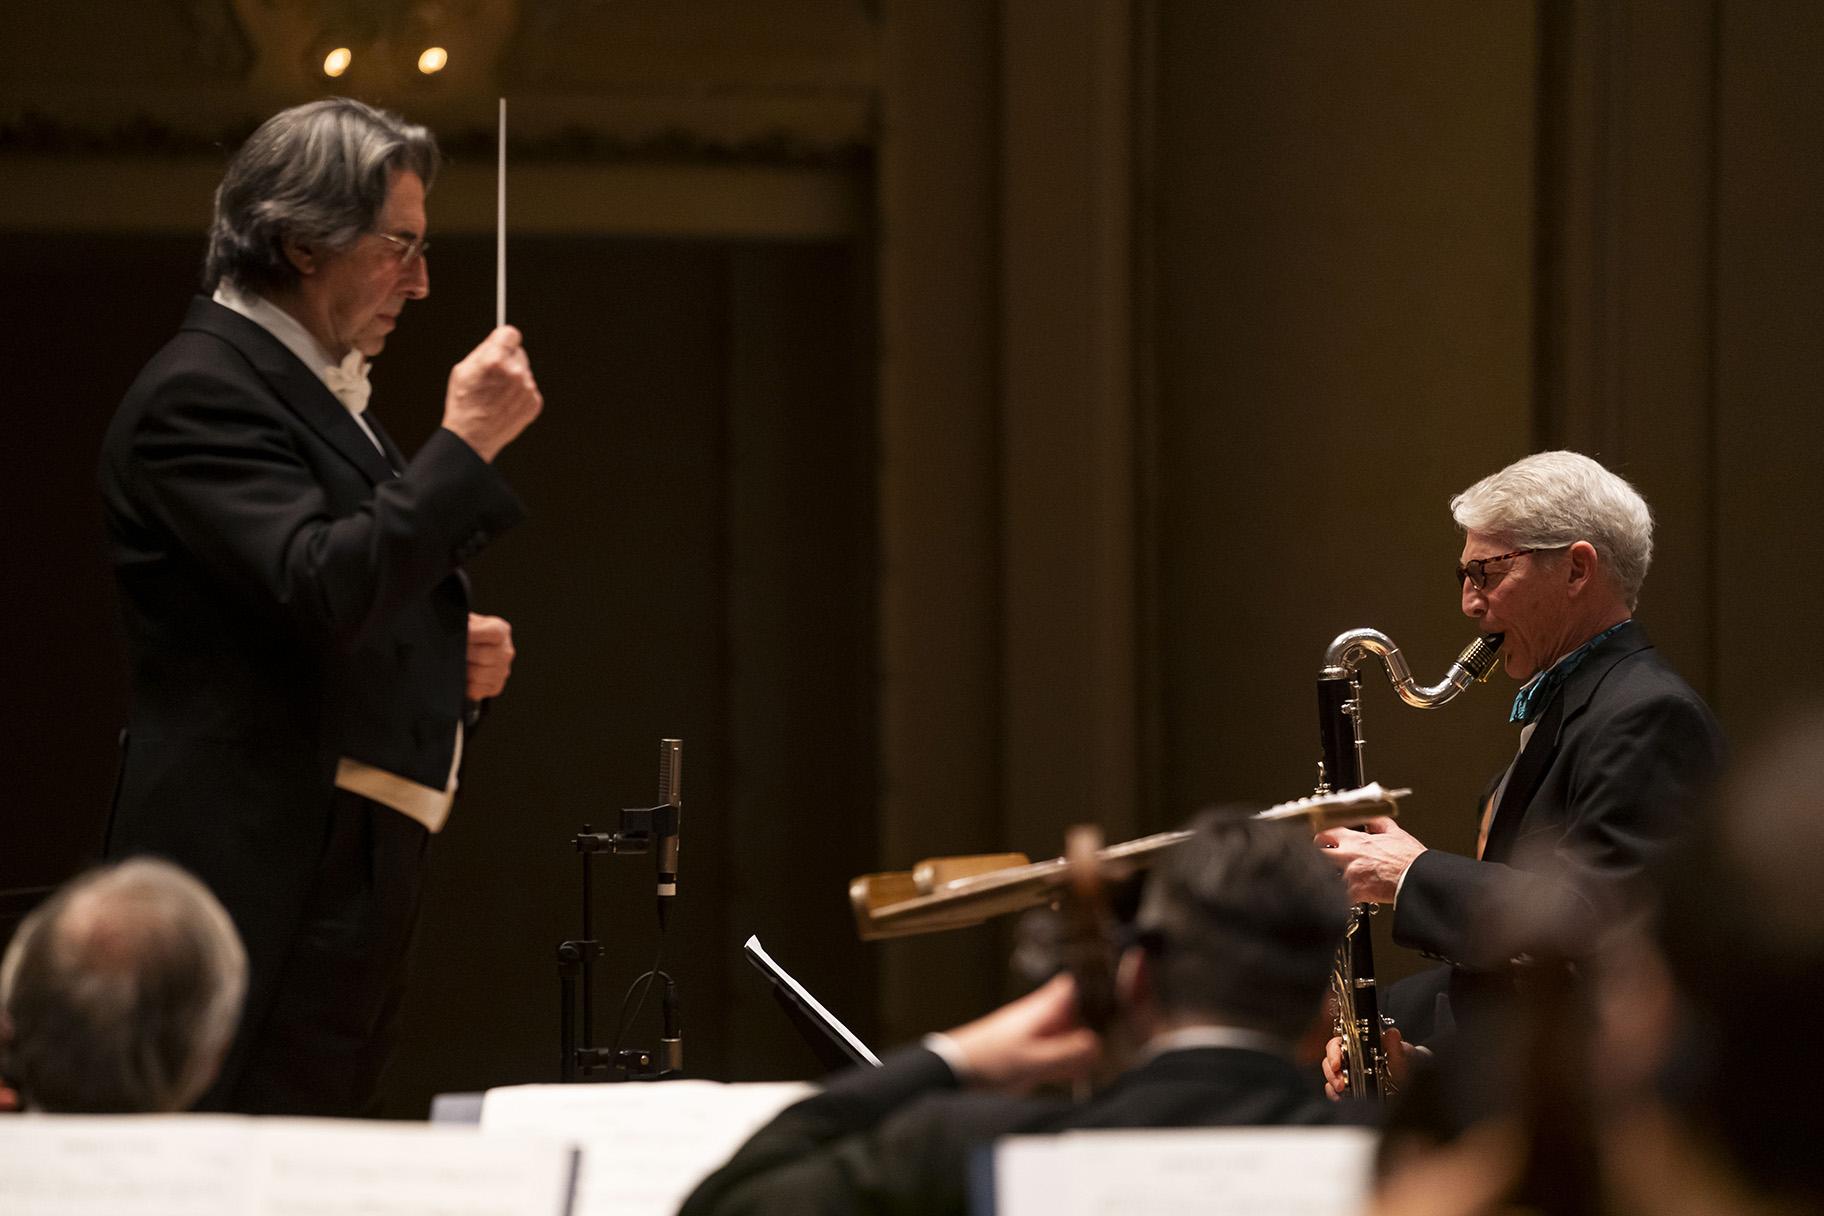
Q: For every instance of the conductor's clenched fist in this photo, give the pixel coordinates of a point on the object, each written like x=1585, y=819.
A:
x=492, y=396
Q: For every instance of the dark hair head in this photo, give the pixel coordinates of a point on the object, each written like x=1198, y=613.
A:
x=122, y=991
x=316, y=173
x=1243, y=920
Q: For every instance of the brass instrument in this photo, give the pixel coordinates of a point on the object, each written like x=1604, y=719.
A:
x=1358, y=1020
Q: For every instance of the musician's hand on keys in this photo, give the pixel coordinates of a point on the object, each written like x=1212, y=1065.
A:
x=1034, y=1040
x=1372, y=858
x=1336, y=1075
x=492, y=396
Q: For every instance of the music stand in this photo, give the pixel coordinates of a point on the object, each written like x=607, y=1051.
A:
x=834, y=1044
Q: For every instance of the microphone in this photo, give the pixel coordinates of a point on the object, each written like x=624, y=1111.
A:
x=671, y=805
x=671, y=1037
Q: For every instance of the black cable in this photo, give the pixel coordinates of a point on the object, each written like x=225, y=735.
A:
x=625, y=1020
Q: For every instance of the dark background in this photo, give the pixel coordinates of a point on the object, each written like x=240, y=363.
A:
x=965, y=418
x=697, y=565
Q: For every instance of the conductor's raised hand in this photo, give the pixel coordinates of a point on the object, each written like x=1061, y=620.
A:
x=492, y=396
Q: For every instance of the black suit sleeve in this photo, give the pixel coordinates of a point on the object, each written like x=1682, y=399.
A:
x=848, y=1149
x=1628, y=785
x=218, y=463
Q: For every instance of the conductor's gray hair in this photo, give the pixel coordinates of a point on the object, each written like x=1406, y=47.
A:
x=317, y=174
x=1555, y=499
x=122, y=991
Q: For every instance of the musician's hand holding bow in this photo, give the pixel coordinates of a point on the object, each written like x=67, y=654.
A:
x=1034, y=1040
x=1372, y=858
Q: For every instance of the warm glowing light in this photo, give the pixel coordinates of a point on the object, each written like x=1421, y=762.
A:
x=432, y=61
x=336, y=62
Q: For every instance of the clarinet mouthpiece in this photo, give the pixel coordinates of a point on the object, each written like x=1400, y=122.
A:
x=1478, y=658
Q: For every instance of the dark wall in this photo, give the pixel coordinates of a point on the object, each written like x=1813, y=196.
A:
x=1377, y=252
x=1399, y=247
x=698, y=563
x=1345, y=339
x=79, y=315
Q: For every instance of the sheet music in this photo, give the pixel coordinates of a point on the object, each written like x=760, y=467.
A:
x=345, y=1168
x=220, y=1165
x=76, y=1166
x=1291, y=1171
x=645, y=1146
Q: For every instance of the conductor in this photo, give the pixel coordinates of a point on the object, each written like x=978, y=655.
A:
x=305, y=667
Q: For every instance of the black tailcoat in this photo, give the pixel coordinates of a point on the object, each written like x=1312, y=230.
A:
x=290, y=595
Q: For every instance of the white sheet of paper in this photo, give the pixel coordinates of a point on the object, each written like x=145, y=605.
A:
x=75, y=1166
x=1291, y=1171
x=645, y=1146
x=221, y=1165
x=341, y=1168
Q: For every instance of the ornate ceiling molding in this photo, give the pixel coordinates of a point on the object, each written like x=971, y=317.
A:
x=789, y=82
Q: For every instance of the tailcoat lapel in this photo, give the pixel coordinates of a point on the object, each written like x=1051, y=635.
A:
x=294, y=384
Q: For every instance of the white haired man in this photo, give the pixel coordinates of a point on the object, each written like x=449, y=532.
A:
x=1613, y=748
x=304, y=661
x=120, y=993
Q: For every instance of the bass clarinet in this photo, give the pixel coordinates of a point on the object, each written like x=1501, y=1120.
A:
x=1358, y=1021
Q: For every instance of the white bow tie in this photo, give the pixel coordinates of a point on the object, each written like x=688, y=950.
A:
x=348, y=381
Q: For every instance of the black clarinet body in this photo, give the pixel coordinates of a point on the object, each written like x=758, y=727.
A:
x=1358, y=1021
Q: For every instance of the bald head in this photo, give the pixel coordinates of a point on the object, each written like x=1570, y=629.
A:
x=122, y=992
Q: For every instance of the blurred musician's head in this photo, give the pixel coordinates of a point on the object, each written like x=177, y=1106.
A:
x=1238, y=927
x=1742, y=937
x=1555, y=550
x=121, y=992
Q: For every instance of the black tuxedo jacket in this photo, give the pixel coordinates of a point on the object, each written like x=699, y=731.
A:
x=1606, y=782
x=899, y=1138
x=290, y=595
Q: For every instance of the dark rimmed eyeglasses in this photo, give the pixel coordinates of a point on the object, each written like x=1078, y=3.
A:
x=1475, y=570
x=409, y=251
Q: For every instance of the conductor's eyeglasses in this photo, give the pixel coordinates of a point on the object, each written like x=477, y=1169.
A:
x=409, y=251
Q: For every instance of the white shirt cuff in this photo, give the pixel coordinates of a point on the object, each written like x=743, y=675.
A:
x=1401, y=885
x=945, y=1048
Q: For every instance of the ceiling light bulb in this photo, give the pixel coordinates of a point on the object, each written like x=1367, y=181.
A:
x=433, y=60
x=336, y=62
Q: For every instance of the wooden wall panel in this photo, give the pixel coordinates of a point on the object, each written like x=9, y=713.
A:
x=939, y=489
x=1344, y=268
x=1625, y=290
x=1769, y=428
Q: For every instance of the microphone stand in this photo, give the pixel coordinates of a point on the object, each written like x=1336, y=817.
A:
x=642, y=829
